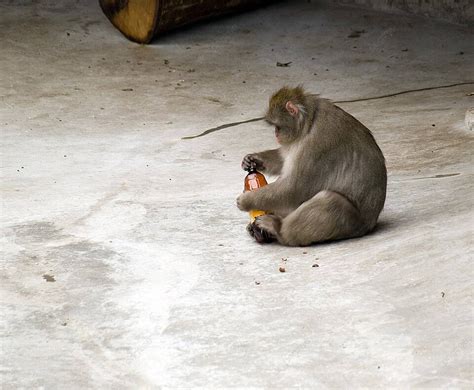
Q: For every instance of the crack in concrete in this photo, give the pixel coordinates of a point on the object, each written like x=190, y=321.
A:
x=405, y=92
x=224, y=126
x=438, y=176
x=232, y=124
x=99, y=204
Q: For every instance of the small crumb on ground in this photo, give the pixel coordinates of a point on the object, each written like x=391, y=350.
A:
x=356, y=33
x=49, y=278
x=282, y=269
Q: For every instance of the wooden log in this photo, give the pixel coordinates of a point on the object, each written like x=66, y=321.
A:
x=143, y=20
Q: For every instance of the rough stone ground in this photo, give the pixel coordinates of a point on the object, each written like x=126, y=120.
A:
x=125, y=261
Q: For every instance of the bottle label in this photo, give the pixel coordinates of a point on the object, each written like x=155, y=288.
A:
x=254, y=184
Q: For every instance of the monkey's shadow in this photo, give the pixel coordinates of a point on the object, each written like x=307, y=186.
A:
x=382, y=226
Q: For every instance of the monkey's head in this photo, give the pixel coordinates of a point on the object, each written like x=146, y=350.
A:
x=286, y=112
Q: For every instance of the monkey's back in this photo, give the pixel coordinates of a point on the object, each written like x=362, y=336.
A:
x=348, y=160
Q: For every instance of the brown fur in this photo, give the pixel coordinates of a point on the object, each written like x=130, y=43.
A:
x=332, y=176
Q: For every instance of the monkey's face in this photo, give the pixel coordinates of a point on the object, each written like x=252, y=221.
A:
x=285, y=128
x=285, y=112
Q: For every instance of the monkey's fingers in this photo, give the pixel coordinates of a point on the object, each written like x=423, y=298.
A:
x=242, y=202
x=249, y=161
x=263, y=229
x=261, y=235
x=250, y=229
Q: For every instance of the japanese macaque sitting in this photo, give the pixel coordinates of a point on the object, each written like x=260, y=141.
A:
x=332, y=178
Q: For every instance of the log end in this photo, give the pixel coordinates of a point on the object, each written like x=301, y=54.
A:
x=136, y=19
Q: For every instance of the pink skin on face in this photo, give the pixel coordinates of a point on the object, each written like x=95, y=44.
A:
x=277, y=135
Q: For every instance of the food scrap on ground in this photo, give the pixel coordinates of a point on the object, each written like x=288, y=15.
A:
x=356, y=33
x=49, y=278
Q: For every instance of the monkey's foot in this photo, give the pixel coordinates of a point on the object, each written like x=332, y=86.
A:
x=261, y=236
x=269, y=223
x=267, y=226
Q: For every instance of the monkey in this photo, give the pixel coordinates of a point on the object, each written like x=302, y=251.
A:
x=332, y=178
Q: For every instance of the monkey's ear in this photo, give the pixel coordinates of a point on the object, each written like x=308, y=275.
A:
x=291, y=108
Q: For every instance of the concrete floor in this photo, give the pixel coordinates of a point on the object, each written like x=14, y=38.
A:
x=125, y=261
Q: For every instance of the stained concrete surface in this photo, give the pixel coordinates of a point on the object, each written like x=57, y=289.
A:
x=457, y=11
x=125, y=261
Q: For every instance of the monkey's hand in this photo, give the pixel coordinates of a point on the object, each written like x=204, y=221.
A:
x=252, y=160
x=244, y=201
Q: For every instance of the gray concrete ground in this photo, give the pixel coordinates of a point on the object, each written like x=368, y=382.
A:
x=125, y=261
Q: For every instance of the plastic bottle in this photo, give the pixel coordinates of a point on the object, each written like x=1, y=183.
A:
x=254, y=180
